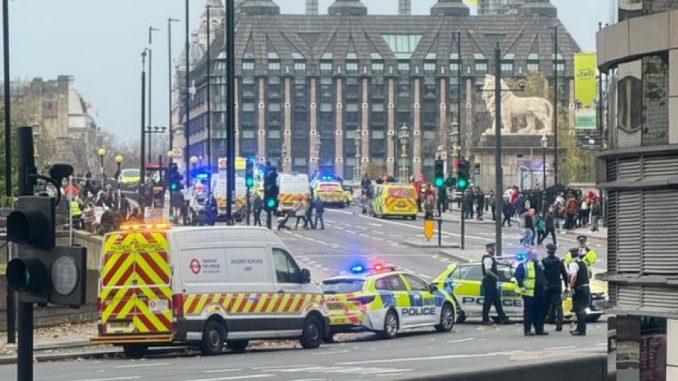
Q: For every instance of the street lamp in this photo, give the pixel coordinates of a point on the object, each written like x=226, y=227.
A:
x=101, y=153
x=555, y=103
x=544, y=145
x=118, y=161
x=358, y=145
x=404, y=138
x=194, y=161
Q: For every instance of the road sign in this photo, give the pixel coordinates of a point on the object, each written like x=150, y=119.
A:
x=429, y=228
x=223, y=163
x=177, y=153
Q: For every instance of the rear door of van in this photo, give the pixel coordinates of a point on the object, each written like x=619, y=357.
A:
x=135, y=294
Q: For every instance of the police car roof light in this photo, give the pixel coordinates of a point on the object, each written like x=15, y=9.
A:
x=357, y=269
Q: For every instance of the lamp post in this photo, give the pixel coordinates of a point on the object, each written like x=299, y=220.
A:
x=209, y=88
x=404, y=138
x=555, y=103
x=142, y=171
x=118, y=161
x=194, y=161
x=187, y=104
x=169, y=71
x=358, y=145
x=544, y=144
x=101, y=153
x=151, y=29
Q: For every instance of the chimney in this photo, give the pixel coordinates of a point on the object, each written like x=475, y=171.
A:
x=404, y=7
x=311, y=7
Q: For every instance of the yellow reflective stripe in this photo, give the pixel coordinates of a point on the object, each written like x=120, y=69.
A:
x=148, y=270
x=201, y=303
x=236, y=306
x=143, y=309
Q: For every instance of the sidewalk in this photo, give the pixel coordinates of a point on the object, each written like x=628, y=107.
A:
x=63, y=336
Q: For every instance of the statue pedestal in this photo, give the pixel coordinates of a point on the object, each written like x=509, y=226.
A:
x=522, y=162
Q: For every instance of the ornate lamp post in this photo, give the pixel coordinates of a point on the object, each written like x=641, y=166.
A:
x=118, y=161
x=544, y=145
x=404, y=138
x=194, y=161
x=101, y=153
x=357, y=169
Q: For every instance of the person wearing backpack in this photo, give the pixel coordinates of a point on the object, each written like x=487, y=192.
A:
x=540, y=225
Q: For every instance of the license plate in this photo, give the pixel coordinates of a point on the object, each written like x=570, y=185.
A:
x=158, y=305
x=120, y=326
x=335, y=307
x=339, y=321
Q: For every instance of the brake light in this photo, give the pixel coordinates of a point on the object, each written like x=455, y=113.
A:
x=178, y=305
x=363, y=299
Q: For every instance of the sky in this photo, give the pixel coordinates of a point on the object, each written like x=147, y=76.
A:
x=100, y=42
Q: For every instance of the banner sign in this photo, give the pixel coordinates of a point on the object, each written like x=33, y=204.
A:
x=585, y=68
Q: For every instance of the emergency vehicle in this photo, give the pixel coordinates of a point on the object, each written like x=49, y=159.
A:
x=291, y=186
x=207, y=287
x=394, y=199
x=385, y=301
x=464, y=280
x=330, y=193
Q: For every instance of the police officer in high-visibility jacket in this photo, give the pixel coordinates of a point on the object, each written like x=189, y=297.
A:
x=532, y=281
x=581, y=293
x=587, y=254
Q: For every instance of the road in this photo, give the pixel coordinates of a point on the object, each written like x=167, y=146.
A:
x=348, y=240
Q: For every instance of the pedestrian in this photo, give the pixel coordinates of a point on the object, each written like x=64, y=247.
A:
x=125, y=208
x=257, y=206
x=507, y=210
x=300, y=211
x=584, y=212
x=429, y=205
x=357, y=200
x=556, y=275
x=177, y=203
x=528, y=233
x=135, y=216
x=493, y=205
x=319, y=211
x=571, y=209
x=492, y=297
x=559, y=210
x=480, y=199
x=283, y=218
x=531, y=280
x=550, y=224
x=308, y=223
x=468, y=205
x=581, y=294
x=540, y=226
x=583, y=251
x=596, y=212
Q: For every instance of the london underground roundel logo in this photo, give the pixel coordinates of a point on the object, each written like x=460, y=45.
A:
x=195, y=266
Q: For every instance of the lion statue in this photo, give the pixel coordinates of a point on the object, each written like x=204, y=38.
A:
x=529, y=108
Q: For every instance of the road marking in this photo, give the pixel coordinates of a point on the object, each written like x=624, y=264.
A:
x=560, y=348
x=328, y=353
x=361, y=228
x=350, y=231
x=364, y=235
x=233, y=377
x=462, y=340
x=112, y=378
x=375, y=224
x=221, y=370
x=601, y=345
x=339, y=228
x=430, y=358
x=268, y=368
x=141, y=365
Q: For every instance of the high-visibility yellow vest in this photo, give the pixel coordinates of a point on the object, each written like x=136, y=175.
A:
x=590, y=258
x=75, y=209
x=530, y=279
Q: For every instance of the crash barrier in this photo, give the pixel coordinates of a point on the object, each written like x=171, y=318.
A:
x=572, y=366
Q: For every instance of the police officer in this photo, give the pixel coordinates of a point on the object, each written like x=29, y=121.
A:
x=587, y=254
x=581, y=294
x=556, y=274
x=491, y=293
x=531, y=280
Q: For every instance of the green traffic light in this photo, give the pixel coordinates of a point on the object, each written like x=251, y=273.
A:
x=440, y=182
x=462, y=183
x=249, y=182
x=271, y=203
x=174, y=186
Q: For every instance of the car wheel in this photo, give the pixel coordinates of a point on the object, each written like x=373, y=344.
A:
x=237, y=345
x=390, y=325
x=213, y=338
x=446, y=318
x=134, y=351
x=312, y=336
x=414, y=218
x=593, y=318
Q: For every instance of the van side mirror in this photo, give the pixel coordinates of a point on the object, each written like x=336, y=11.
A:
x=305, y=276
x=433, y=287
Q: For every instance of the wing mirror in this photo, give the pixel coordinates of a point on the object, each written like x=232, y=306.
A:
x=433, y=287
x=305, y=276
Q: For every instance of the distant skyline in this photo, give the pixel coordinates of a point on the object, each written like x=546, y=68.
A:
x=100, y=44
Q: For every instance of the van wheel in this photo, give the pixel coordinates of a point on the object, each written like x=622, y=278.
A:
x=446, y=319
x=414, y=218
x=390, y=326
x=213, y=338
x=237, y=345
x=312, y=335
x=134, y=351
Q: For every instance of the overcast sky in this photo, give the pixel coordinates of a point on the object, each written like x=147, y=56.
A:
x=100, y=43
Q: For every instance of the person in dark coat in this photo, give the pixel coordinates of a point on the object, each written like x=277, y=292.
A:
x=532, y=281
x=319, y=211
x=507, y=211
x=556, y=274
x=257, y=206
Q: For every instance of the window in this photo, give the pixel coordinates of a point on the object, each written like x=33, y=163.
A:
x=352, y=107
x=248, y=65
x=352, y=67
x=403, y=45
x=248, y=134
x=416, y=284
x=474, y=273
x=377, y=134
x=507, y=68
x=326, y=66
x=274, y=66
x=456, y=274
x=378, y=67
x=391, y=283
x=532, y=65
x=481, y=67
x=300, y=67
x=248, y=107
x=274, y=107
x=286, y=270
x=404, y=67
x=342, y=286
x=454, y=67
x=378, y=107
x=429, y=67
x=326, y=107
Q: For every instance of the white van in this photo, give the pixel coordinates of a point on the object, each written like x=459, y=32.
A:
x=206, y=287
x=291, y=186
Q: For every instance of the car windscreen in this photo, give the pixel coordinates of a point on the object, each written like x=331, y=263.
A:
x=131, y=173
x=342, y=286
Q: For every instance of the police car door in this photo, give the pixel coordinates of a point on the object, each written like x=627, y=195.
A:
x=394, y=294
x=468, y=288
x=422, y=301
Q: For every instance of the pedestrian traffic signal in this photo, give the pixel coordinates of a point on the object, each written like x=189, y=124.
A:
x=174, y=178
x=463, y=174
x=249, y=173
x=271, y=190
x=440, y=173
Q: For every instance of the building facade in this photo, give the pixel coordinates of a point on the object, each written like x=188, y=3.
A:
x=498, y=7
x=639, y=171
x=306, y=85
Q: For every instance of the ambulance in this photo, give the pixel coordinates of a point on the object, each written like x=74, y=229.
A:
x=331, y=193
x=291, y=186
x=394, y=199
x=206, y=287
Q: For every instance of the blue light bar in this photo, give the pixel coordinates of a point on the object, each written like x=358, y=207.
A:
x=203, y=176
x=357, y=269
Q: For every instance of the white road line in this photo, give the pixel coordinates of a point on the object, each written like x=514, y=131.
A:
x=112, y=378
x=221, y=370
x=364, y=235
x=560, y=348
x=328, y=353
x=361, y=228
x=269, y=368
x=147, y=365
x=339, y=228
x=462, y=340
x=601, y=345
x=430, y=358
x=233, y=377
x=350, y=231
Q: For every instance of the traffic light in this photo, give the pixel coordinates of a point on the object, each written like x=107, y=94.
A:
x=463, y=174
x=451, y=182
x=440, y=173
x=271, y=190
x=174, y=178
x=249, y=173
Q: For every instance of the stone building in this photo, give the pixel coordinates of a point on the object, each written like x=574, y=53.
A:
x=639, y=171
x=65, y=131
x=497, y=7
x=307, y=84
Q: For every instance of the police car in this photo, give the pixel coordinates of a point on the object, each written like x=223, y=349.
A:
x=464, y=281
x=385, y=301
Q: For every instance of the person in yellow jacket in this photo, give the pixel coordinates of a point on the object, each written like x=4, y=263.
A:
x=587, y=254
x=76, y=213
x=532, y=282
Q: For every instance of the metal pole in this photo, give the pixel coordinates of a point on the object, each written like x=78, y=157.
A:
x=209, y=97
x=544, y=202
x=150, y=91
x=230, y=108
x=171, y=132
x=25, y=345
x=248, y=204
x=462, y=223
x=70, y=210
x=555, y=105
x=142, y=173
x=499, y=184
x=187, y=99
x=10, y=297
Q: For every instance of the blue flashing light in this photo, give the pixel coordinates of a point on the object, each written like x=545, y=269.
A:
x=521, y=257
x=203, y=176
x=357, y=269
